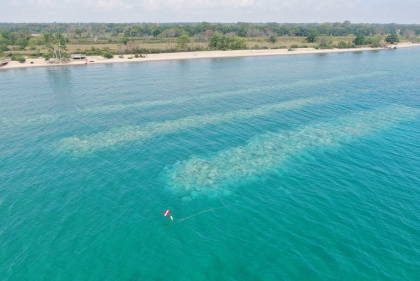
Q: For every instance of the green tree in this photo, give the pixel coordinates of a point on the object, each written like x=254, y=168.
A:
x=221, y=42
x=156, y=32
x=32, y=43
x=108, y=55
x=346, y=23
x=236, y=43
x=6, y=34
x=359, y=40
x=3, y=48
x=323, y=41
x=78, y=32
x=392, y=38
x=18, y=58
x=217, y=42
x=182, y=41
x=342, y=45
x=375, y=41
x=56, y=44
x=311, y=38
x=272, y=39
x=4, y=41
x=241, y=31
x=22, y=34
x=124, y=40
x=22, y=43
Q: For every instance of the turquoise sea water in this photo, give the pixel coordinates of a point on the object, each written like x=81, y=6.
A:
x=301, y=167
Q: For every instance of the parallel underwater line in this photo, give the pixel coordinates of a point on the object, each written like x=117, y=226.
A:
x=48, y=118
x=267, y=153
x=104, y=140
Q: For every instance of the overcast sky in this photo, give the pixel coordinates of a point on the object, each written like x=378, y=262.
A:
x=357, y=11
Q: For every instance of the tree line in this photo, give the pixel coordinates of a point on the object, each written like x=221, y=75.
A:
x=216, y=36
x=240, y=29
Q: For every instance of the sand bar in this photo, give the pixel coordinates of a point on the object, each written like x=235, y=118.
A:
x=195, y=55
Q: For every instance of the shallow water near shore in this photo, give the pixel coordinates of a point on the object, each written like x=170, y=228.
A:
x=299, y=167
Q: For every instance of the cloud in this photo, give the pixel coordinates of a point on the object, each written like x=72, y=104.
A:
x=40, y=3
x=198, y=4
x=112, y=4
x=373, y=11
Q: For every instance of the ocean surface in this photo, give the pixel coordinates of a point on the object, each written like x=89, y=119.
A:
x=302, y=167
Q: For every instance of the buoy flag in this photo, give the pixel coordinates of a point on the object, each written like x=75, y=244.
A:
x=166, y=213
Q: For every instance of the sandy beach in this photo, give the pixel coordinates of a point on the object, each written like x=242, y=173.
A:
x=195, y=55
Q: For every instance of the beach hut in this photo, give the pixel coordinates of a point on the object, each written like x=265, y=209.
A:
x=78, y=57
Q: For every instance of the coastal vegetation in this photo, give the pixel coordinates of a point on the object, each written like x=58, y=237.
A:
x=222, y=42
x=18, y=58
x=59, y=40
x=56, y=45
x=392, y=38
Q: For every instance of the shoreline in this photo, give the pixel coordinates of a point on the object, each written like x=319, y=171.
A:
x=196, y=55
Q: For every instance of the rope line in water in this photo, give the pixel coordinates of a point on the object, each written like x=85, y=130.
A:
x=211, y=209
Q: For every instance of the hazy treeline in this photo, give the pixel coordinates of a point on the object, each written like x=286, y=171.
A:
x=241, y=29
x=51, y=40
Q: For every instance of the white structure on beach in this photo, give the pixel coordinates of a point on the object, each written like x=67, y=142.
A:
x=78, y=57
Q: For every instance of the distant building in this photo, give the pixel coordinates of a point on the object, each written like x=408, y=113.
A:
x=78, y=57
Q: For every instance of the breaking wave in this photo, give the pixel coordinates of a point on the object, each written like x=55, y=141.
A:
x=267, y=153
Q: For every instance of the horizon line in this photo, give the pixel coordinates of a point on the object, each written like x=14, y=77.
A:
x=210, y=22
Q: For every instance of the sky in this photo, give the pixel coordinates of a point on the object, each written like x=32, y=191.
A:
x=292, y=11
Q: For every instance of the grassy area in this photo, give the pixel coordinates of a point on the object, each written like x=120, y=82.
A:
x=166, y=44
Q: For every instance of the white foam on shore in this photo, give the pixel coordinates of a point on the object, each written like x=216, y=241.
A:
x=103, y=140
x=48, y=119
x=268, y=153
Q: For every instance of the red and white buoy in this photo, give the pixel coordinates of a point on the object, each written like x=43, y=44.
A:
x=167, y=213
